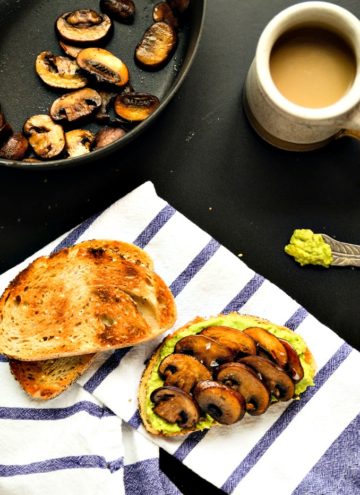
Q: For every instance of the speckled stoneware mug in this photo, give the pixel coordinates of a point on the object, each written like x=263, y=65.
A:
x=277, y=119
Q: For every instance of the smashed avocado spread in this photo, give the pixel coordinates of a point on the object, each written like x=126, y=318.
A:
x=309, y=249
x=239, y=322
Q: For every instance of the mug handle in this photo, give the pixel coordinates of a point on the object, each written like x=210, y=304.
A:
x=352, y=125
x=348, y=133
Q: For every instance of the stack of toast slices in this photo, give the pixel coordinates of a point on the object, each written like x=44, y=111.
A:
x=65, y=308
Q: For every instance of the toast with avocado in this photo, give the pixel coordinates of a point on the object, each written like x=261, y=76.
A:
x=64, y=308
x=213, y=371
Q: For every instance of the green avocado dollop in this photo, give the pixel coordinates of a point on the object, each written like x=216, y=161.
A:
x=239, y=322
x=309, y=249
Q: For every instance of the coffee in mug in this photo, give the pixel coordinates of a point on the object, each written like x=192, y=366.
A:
x=303, y=87
x=312, y=66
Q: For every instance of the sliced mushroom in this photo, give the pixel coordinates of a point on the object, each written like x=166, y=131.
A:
x=46, y=138
x=59, y=72
x=135, y=107
x=243, y=379
x=120, y=10
x=108, y=135
x=79, y=142
x=206, y=350
x=76, y=105
x=236, y=340
x=156, y=46
x=179, y=6
x=276, y=380
x=175, y=406
x=15, y=147
x=70, y=50
x=103, y=65
x=103, y=113
x=163, y=12
x=269, y=343
x=5, y=128
x=222, y=403
x=294, y=366
x=182, y=371
x=83, y=26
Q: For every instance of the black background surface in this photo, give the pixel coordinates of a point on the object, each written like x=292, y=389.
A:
x=206, y=161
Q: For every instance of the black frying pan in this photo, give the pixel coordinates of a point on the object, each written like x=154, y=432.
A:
x=27, y=28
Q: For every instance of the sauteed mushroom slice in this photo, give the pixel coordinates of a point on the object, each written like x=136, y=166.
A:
x=5, y=128
x=76, y=105
x=15, y=147
x=236, y=340
x=46, y=138
x=243, y=379
x=83, y=26
x=70, y=50
x=276, y=380
x=102, y=115
x=269, y=343
x=59, y=72
x=179, y=6
x=163, y=12
x=108, y=135
x=206, y=350
x=175, y=406
x=103, y=65
x=294, y=366
x=135, y=107
x=183, y=371
x=156, y=46
x=79, y=142
x=222, y=403
x=120, y=10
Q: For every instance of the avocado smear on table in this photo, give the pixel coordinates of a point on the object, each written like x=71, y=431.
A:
x=235, y=321
x=309, y=249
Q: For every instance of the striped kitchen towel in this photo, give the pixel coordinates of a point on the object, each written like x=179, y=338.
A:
x=311, y=446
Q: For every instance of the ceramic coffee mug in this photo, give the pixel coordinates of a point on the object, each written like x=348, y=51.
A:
x=296, y=114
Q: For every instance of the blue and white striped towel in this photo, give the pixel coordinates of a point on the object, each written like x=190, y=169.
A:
x=76, y=441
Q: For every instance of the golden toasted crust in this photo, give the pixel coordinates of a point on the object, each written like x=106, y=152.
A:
x=49, y=378
x=82, y=300
x=143, y=391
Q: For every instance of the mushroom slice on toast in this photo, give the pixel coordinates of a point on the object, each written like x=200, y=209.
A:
x=183, y=371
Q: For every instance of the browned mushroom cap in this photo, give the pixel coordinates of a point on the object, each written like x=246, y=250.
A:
x=243, y=379
x=70, y=50
x=269, y=343
x=175, y=406
x=108, y=135
x=163, y=12
x=294, y=366
x=79, y=142
x=236, y=340
x=156, y=46
x=59, y=72
x=46, y=138
x=83, y=26
x=222, y=403
x=135, y=107
x=76, y=105
x=104, y=66
x=277, y=381
x=120, y=10
x=205, y=350
x=179, y=6
x=182, y=371
x=15, y=147
x=5, y=128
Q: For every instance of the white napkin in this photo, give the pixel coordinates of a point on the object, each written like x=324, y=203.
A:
x=302, y=447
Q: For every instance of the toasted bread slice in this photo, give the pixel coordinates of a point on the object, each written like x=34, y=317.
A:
x=151, y=379
x=81, y=300
x=49, y=378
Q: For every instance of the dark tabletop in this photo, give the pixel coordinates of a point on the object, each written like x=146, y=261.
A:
x=205, y=160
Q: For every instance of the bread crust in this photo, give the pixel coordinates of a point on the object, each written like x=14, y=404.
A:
x=143, y=391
